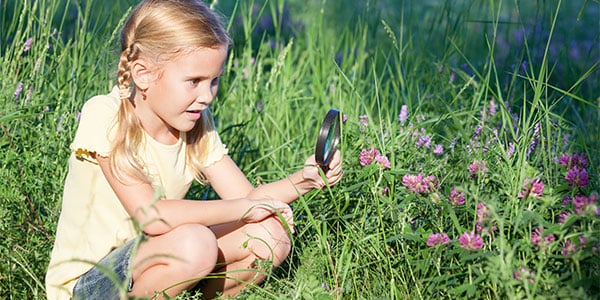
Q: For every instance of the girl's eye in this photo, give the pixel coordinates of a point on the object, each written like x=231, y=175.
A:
x=214, y=82
x=194, y=82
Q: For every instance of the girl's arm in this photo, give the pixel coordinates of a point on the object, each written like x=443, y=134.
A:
x=230, y=183
x=158, y=217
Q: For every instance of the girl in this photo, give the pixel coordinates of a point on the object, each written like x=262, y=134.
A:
x=124, y=228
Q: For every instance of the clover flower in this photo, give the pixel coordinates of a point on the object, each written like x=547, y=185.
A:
x=383, y=161
x=574, y=160
x=583, y=204
x=477, y=168
x=456, y=197
x=525, y=274
x=539, y=240
x=577, y=177
x=438, y=149
x=436, y=239
x=470, y=241
x=367, y=156
x=562, y=217
x=532, y=188
x=568, y=248
x=364, y=120
x=419, y=183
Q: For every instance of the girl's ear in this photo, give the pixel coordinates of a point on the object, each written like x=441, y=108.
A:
x=141, y=73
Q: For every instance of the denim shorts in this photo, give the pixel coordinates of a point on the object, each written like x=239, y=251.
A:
x=109, y=277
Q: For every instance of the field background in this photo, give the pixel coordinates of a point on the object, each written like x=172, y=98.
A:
x=512, y=84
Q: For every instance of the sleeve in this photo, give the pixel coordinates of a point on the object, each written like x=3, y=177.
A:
x=217, y=149
x=93, y=134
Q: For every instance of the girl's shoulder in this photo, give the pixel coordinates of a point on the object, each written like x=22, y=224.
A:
x=108, y=103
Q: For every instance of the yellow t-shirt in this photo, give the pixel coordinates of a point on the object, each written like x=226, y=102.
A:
x=92, y=221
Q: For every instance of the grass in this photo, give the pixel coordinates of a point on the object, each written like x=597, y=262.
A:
x=512, y=85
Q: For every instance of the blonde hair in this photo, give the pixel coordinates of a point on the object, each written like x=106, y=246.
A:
x=158, y=30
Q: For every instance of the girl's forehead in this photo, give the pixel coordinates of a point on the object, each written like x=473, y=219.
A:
x=199, y=60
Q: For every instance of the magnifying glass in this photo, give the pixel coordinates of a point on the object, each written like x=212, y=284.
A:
x=329, y=138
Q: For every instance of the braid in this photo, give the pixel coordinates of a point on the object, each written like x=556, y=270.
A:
x=124, y=74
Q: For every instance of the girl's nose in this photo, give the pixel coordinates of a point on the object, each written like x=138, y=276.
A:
x=206, y=96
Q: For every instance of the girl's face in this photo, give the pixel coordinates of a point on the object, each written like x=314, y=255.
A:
x=184, y=88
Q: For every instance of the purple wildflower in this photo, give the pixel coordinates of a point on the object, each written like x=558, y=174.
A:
x=493, y=107
x=470, y=241
x=539, y=240
x=456, y=197
x=476, y=168
x=403, y=114
x=18, y=90
x=364, y=119
x=438, y=149
x=436, y=239
x=27, y=44
x=477, y=131
x=511, y=149
x=533, y=189
x=525, y=274
x=562, y=217
x=569, y=248
x=579, y=160
x=423, y=140
x=584, y=204
x=577, y=177
x=344, y=118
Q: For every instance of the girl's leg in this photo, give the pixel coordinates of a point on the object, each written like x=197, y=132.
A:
x=241, y=246
x=174, y=261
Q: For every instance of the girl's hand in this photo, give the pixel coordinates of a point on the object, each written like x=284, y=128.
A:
x=262, y=209
x=312, y=172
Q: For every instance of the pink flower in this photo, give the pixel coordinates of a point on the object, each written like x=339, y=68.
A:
x=436, y=239
x=419, y=183
x=424, y=140
x=367, y=156
x=470, y=241
x=577, y=177
x=533, y=189
x=539, y=240
x=456, y=197
x=438, y=149
x=383, y=161
x=364, y=120
x=562, y=217
x=27, y=44
x=403, y=114
x=493, y=108
x=476, y=168
x=575, y=160
x=569, y=248
x=583, y=204
x=526, y=274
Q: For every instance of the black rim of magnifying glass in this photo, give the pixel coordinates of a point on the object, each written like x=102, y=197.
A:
x=323, y=151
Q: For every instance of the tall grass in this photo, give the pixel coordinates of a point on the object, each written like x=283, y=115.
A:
x=503, y=86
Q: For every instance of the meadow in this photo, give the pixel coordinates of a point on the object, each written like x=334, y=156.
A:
x=470, y=139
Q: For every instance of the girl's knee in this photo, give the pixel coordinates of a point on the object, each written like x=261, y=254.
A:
x=269, y=240
x=196, y=247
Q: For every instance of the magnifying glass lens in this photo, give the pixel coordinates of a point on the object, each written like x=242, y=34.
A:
x=328, y=139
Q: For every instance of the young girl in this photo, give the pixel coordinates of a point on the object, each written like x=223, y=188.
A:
x=125, y=229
